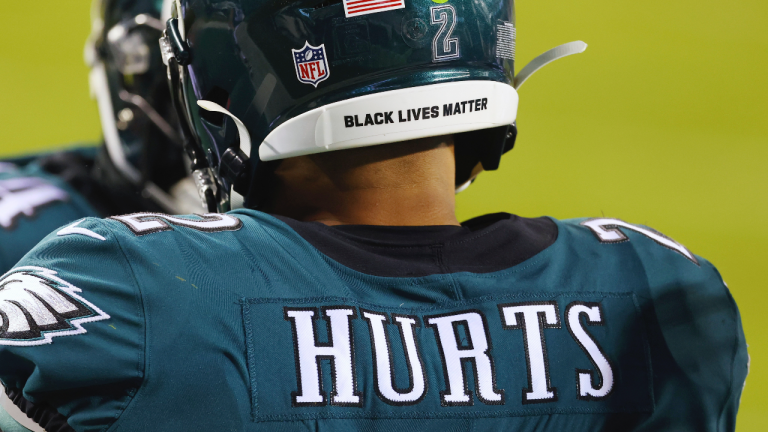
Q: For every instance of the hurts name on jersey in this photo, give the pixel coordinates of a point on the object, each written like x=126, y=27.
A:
x=463, y=341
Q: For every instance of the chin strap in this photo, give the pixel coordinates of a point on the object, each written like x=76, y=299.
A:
x=542, y=60
x=245, y=137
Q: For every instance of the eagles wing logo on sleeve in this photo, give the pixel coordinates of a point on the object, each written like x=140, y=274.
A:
x=24, y=196
x=35, y=306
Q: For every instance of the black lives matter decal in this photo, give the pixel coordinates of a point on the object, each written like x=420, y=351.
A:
x=416, y=114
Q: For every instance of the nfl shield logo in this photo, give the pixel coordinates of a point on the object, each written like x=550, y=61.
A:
x=311, y=64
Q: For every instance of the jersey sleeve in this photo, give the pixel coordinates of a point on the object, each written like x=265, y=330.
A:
x=695, y=337
x=72, y=330
x=698, y=348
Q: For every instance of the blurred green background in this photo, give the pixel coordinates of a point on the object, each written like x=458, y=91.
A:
x=663, y=122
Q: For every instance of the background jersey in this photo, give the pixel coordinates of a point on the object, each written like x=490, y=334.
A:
x=33, y=203
x=43, y=192
x=245, y=322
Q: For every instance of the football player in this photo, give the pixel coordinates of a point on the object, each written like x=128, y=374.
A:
x=347, y=296
x=139, y=167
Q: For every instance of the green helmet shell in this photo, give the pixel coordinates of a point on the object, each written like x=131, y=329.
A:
x=318, y=75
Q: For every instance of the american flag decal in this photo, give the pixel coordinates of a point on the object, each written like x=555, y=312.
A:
x=353, y=8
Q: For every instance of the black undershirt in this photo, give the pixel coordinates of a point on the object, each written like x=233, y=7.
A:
x=484, y=244
x=481, y=245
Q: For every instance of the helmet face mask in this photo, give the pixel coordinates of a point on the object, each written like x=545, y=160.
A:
x=128, y=80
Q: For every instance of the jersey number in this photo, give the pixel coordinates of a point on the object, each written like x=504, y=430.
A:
x=607, y=231
x=148, y=223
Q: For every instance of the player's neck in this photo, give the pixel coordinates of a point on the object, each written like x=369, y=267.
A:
x=403, y=184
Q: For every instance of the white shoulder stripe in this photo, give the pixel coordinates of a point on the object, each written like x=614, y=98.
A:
x=74, y=229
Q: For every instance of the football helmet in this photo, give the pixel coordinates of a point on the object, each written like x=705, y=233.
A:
x=128, y=80
x=257, y=81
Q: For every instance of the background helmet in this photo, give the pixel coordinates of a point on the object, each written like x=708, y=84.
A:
x=128, y=81
x=262, y=80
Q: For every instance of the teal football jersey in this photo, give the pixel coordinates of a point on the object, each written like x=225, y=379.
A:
x=32, y=204
x=246, y=322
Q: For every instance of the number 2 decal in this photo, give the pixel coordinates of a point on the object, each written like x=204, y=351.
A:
x=444, y=47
